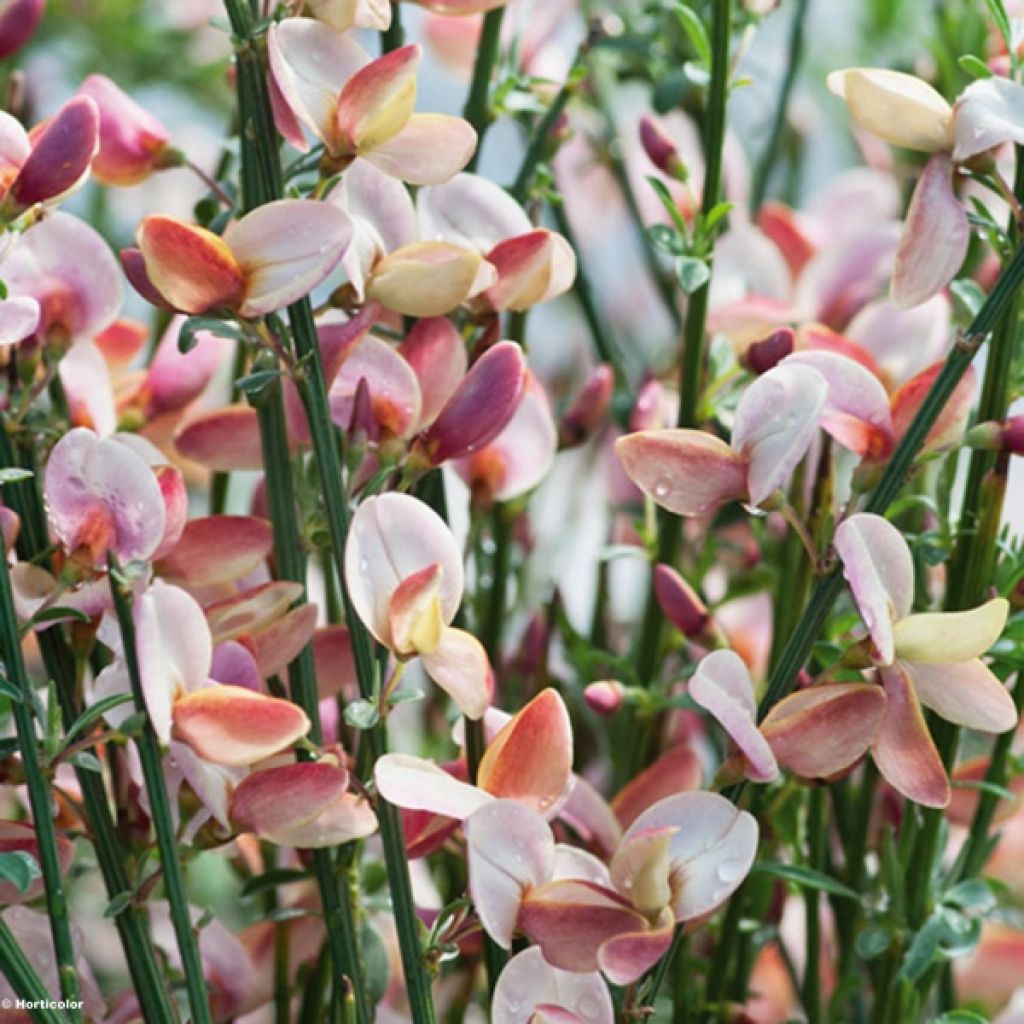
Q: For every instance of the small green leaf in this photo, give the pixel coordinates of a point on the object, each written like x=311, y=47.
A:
x=971, y=894
x=968, y=296
x=377, y=966
x=19, y=868
x=692, y=273
x=984, y=786
x=961, y=1017
x=406, y=695
x=873, y=942
x=119, y=904
x=715, y=214
x=808, y=878
x=290, y=913
x=87, y=761
x=187, y=339
x=254, y=383
x=694, y=28
x=94, y=712
x=133, y=725
x=59, y=613
x=271, y=880
x=974, y=66
x=662, y=192
x=362, y=714
x=665, y=239
x=3, y=291
x=14, y=475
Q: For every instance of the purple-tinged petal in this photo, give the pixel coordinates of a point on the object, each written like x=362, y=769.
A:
x=529, y=981
x=19, y=317
x=217, y=549
x=437, y=354
x=419, y=785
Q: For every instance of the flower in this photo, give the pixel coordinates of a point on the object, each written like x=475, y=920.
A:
x=404, y=575
x=265, y=261
x=930, y=658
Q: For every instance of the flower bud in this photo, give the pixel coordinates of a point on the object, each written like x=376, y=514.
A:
x=679, y=602
x=605, y=697
x=660, y=149
x=589, y=407
x=18, y=21
x=1007, y=436
x=769, y=351
x=647, y=412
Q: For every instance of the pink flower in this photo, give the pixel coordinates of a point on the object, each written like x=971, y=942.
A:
x=325, y=82
x=530, y=989
x=930, y=658
x=404, y=574
x=265, y=261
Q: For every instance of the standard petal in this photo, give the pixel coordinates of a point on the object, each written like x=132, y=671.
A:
x=952, y=421
x=528, y=981
x=823, y=730
x=419, y=785
x=944, y=638
x=532, y=268
x=278, y=644
x=232, y=725
x=470, y=211
x=192, y=268
x=880, y=570
x=285, y=249
x=437, y=354
x=19, y=317
x=967, y=693
x=510, y=850
x=391, y=537
x=711, y=852
x=900, y=109
x=251, y=611
x=377, y=101
x=217, y=549
x=935, y=237
x=459, y=665
x=677, y=770
x=904, y=750
x=429, y=150
x=348, y=818
x=687, y=472
x=284, y=797
x=530, y=760
x=222, y=439
x=722, y=686
x=776, y=420
x=986, y=114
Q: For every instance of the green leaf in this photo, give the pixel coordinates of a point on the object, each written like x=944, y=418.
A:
x=873, y=942
x=665, y=239
x=133, y=725
x=59, y=613
x=968, y=296
x=808, y=878
x=94, y=712
x=362, y=714
x=406, y=695
x=974, y=66
x=984, y=786
x=715, y=214
x=254, y=383
x=694, y=28
x=961, y=1017
x=971, y=894
x=87, y=761
x=14, y=475
x=19, y=868
x=290, y=913
x=377, y=966
x=9, y=690
x=692, y=273
x=119, y=904
x=662, y=192
x=271, y=880
x=187, y=339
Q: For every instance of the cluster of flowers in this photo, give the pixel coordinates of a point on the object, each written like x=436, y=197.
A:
x=419, y=269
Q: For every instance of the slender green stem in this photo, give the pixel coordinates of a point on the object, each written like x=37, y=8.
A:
x=23, y=978
x=763, y=171
x=394, y=35
x=312, y=384
x=477, y=110
x=160, y=814
x=816, y=835
x=58, y=661
x=39, y=797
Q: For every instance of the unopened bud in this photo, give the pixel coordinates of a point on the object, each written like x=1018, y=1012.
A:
x=767, y=352
x=605, y=697
x=660, y=149
x=647, y=411
x=589, y=407
x=1006, y=437
x=10, y=525
x=679, y=602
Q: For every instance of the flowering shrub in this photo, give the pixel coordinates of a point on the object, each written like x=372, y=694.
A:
x=559, y=561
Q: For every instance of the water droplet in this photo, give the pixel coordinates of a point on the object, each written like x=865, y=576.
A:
x=663, y=487
x=729, y=870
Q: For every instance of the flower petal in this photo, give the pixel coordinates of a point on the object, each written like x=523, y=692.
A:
x=231, y=725
x=222, y=439
x=935, y=237
x=459, y=665
x=19, y=317
x=687, y=472
x=217, y=549
x=437, y=354
x=821, y=731
x=944, y=638
x=722, y=686
x=904, y=750
x=880, y=570
x=967, y=693
x=530, y=760
x=419, y=785
x=528, y=981
x=286, y=796
x=378, y=100
x=470, y=211
x=626, y=958
x=776, y=420
x=510, y=850
x=285, y=249
x=252, y=610
x=429, y=150
x=677, y=770
x=987, y=114
x=424, y=278
x=949, y=427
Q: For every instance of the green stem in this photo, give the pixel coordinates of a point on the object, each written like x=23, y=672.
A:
x=811, y=989
x=39, y=797
x=394, y=35
x=160, y=814
x=477, y=110
x=763, y=172
x=23, y=978
x=312, y=384
x=58, y=662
